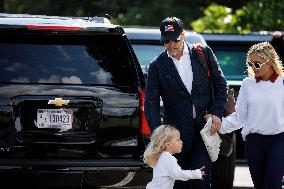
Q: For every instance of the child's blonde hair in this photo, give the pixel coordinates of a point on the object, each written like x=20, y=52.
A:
x=266, y=51
x=157, y=145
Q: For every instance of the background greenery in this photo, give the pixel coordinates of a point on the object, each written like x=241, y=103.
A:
x=200, y=15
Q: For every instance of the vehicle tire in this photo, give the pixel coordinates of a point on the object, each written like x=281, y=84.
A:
x=223, y=170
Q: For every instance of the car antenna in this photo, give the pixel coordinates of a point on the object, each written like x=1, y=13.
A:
x=89, y=14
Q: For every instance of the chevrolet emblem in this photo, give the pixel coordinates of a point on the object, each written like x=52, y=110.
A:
x=58, y=102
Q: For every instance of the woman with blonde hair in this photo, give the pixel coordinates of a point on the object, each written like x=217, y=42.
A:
x=260, y=111
x=164, y=142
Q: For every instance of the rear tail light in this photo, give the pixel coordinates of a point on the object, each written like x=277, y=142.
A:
x=144, y=127
x=52, y=27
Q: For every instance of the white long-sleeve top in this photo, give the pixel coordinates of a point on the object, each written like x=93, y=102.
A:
x=259, y=108
x=167, y=170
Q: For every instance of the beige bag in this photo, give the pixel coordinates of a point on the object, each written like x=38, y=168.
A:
x=212, y=142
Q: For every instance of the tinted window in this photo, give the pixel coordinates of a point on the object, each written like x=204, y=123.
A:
x=66, y=59
x=146, y=53
x=232, y=61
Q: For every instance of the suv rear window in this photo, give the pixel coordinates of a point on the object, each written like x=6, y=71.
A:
x=65, y=59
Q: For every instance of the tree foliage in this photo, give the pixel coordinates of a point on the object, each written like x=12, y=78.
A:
x=124, y=12
x=200, y=15
x=217, y=19
x=263, y=15
x=258, y=15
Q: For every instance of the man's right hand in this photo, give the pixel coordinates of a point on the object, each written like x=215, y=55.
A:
x=216, y=123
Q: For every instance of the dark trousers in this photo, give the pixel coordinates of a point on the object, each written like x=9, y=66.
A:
x=265, y=156
x=195, y=159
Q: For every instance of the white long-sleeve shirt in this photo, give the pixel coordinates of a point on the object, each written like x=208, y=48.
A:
x=259, y=108
x=167, y=170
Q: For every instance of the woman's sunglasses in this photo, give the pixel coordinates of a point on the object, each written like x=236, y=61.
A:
x=256, y=64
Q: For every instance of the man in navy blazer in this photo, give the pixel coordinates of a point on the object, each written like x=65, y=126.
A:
x=179, y=78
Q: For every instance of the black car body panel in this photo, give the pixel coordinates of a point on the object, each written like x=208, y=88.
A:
x=70, y=104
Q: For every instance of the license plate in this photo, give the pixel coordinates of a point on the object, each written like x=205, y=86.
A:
x=55, y=118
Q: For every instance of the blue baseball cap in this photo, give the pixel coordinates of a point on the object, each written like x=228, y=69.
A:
x=171, y=28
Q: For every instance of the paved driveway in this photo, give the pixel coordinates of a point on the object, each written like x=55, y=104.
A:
x=242, y=178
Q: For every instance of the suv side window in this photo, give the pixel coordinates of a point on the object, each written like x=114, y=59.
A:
x=146, y=53
x=76, y=60
x=232, y=61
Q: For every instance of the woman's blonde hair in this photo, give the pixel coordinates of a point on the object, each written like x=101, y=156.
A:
x=265, y=51
x=157, y=145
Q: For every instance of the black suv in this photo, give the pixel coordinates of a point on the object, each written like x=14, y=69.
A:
x=146, y=44
x=71, y=104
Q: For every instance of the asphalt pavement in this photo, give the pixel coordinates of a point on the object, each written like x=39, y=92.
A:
x=242, y=178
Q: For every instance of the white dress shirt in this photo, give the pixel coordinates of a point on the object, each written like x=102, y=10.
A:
x=184, y=69
x=259, y=108
x=167, y=170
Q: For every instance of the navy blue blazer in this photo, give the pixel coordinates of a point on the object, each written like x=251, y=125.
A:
x=164, y=81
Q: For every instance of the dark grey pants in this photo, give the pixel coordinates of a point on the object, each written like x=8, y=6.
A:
x=265, y=156
x=195, y=158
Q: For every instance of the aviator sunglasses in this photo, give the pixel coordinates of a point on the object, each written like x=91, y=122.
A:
x=256, y=64
x=167, y=41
